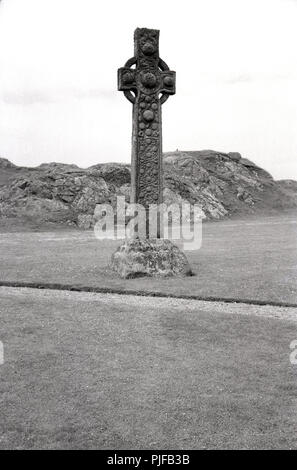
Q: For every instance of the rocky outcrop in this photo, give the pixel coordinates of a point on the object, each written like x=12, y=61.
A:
x=222, y=184
x=4, y=163
x=61, y=193
x=289, y=187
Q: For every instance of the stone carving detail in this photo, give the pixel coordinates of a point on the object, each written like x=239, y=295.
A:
x=147, y=86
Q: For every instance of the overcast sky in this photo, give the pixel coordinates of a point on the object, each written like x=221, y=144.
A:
x=236, y=65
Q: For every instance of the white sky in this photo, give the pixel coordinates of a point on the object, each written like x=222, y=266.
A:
x=236, y=64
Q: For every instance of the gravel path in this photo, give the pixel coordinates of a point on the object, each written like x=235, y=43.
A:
x=280, y=313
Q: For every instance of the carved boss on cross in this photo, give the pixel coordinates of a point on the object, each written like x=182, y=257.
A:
x=147, y=86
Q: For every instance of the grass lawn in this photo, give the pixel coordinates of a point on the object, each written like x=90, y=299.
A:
x=255, y=258
x=118, y=372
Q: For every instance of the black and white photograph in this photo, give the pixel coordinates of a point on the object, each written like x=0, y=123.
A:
x=148, y=228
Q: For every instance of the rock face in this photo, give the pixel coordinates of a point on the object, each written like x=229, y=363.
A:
x=61, y=194
x=221, y=184
x=137, y=257
x=4, y=163
x=289, y=187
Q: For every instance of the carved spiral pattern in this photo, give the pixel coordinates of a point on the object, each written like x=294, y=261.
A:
x=149, y=149
x=142, y=86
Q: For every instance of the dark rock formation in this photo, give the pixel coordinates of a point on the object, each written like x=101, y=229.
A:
x=59, y=193
x=4, y=163
x=222, y=184
x=137, y=257
x=289, y=187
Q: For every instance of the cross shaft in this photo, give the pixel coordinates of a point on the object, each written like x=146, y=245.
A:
x=143, y=86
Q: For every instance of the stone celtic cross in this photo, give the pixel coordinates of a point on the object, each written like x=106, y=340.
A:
x=147, y=86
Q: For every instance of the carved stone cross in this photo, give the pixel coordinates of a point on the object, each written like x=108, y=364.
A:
x=147, y=86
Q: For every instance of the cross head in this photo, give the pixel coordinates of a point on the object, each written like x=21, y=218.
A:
x=146, y=82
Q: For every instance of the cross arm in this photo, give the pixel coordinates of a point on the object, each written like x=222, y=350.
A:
x=127, y=82
x=126, y=79
x=167, y=85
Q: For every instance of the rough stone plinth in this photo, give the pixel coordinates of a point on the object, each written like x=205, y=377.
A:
x=149, y=257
